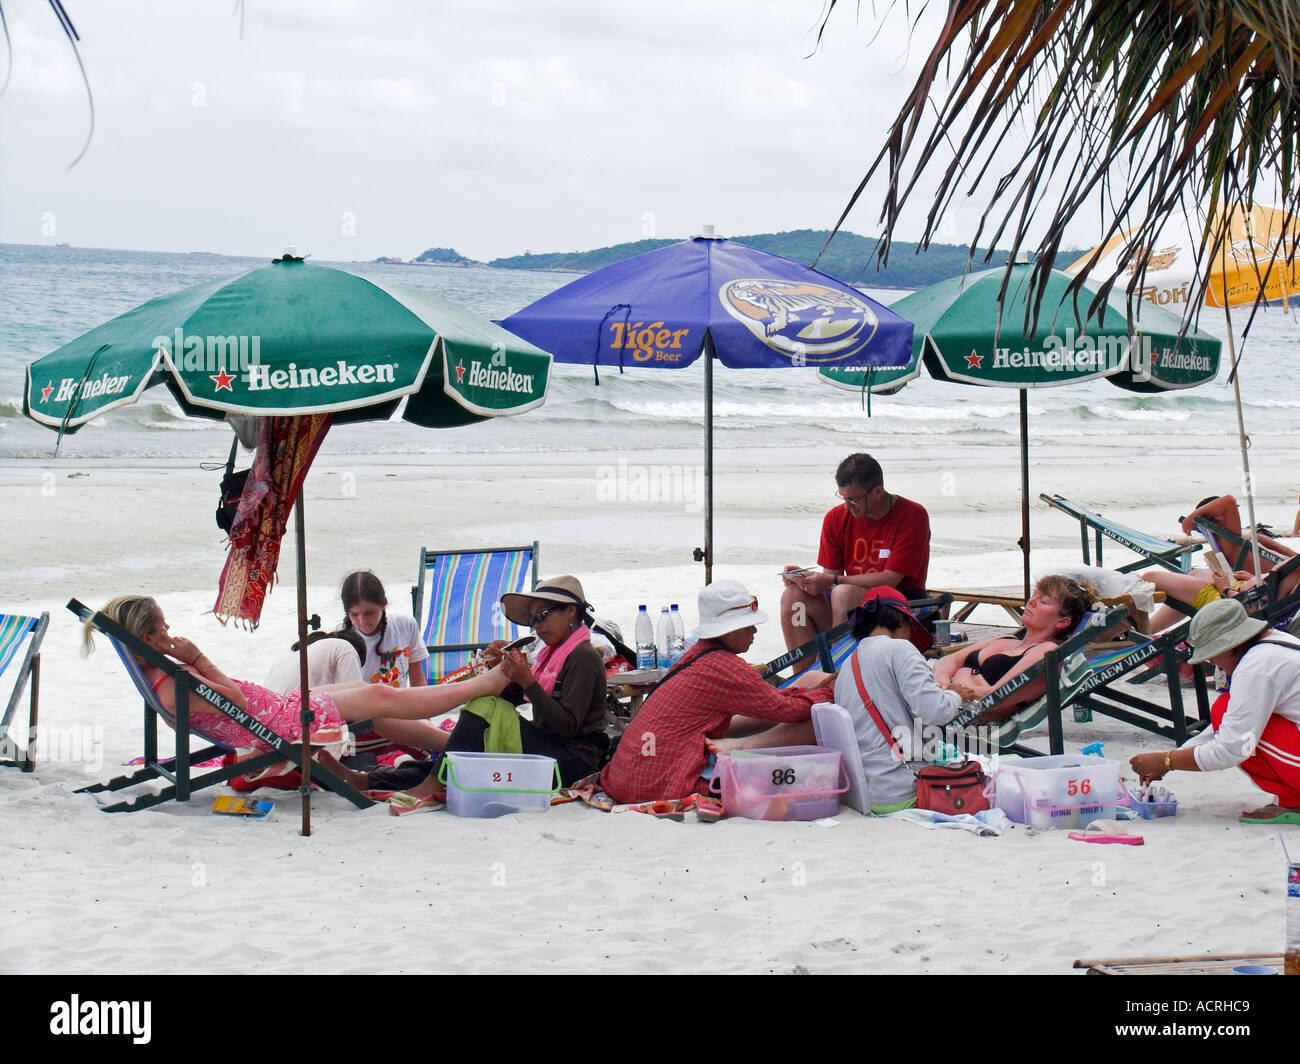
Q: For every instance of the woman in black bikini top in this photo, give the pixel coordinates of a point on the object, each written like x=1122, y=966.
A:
x=1049, y=617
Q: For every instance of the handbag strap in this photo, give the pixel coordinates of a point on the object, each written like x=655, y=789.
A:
x=875, y=713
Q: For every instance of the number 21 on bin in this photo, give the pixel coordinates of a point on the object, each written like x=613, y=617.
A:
x=1079, y=787
x=782, y=775
x=496, y=778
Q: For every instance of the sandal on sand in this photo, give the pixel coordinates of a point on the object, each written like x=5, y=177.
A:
x=662, y=810
x=708, y=810
x=1269, y=815
x=1106, y=831
x=401, y=804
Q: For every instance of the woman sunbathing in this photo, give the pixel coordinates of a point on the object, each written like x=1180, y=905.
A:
x=398, y=712
x=1055, y=610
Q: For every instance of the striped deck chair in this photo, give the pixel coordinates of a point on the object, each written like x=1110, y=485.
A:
x=464, y=588
x=182, y=781
x=20, y=648
x=1088, y=688
x=1155, y=550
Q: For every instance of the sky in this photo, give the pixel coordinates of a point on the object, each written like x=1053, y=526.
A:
x=355, y=130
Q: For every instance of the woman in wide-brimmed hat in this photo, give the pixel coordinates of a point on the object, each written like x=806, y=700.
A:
x=565, y=685
x=663, y=752
x=1258, y=727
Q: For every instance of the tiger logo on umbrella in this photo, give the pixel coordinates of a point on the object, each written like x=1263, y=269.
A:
x=811, y=323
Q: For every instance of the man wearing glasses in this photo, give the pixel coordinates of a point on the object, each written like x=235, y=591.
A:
x=870, y=539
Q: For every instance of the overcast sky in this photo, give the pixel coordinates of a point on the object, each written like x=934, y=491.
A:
x=492, y=126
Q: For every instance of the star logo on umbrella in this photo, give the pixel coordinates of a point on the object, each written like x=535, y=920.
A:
x=973, y=361
x=222, y=381
x=45, y=392
x=460, y=372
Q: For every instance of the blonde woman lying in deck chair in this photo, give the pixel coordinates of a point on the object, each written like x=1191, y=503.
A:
x=1054, y=612
x=399, y=713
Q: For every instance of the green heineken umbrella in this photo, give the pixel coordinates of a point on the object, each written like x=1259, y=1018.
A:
x=294, y=339
x=969, y=331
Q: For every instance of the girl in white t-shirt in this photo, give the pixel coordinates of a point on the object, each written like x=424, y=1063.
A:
x=395, y=651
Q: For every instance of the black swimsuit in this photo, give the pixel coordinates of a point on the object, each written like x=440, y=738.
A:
x=994, y=667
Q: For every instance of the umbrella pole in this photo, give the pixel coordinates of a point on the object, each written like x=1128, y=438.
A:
x=1024, y=484
x=708, y=459
x=1247, y=481
x=305, y=705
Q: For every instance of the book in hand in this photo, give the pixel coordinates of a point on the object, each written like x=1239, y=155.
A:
x=233, y=805
x=1218, y=564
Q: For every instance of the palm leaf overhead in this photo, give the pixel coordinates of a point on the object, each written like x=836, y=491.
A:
x=1141, y=106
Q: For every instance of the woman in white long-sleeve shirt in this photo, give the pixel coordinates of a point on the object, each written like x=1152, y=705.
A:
x=1256, y=724
x=901, y=686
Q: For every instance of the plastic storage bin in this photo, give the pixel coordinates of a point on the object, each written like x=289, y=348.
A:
x=487, y=785
x=1060, y=791
x=782, y=783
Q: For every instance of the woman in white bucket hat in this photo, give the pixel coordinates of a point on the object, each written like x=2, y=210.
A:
x=663, y=752
x=1255, y=724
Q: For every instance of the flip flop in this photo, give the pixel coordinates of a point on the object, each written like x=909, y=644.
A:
x=665, y=810
x=401, y=804
x=708, y=810
x=1282, y=816
x=1105, y=831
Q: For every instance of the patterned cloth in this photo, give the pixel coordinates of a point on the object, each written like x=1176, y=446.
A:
x=285, y=450
x=662, y=752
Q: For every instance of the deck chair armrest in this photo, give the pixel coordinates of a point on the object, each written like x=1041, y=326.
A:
x=812, y=648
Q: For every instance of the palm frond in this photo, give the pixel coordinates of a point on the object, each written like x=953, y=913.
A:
x=1141, y=106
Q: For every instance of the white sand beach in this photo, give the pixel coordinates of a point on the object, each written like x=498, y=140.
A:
x=575, y=890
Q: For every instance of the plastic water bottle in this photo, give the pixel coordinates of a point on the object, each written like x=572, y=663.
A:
x=663, y=636
x=677, y=645
x=1291, y=954
x=645, y=640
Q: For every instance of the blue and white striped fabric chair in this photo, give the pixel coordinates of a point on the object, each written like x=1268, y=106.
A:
x=20, y=643
x=463, y=590
x=1155, y=550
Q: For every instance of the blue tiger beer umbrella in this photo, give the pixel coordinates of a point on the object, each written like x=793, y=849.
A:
x=712, y=298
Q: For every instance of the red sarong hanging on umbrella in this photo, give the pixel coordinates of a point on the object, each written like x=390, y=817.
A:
x=285, y=449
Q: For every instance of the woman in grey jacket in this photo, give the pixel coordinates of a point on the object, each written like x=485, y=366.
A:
x=904, y=692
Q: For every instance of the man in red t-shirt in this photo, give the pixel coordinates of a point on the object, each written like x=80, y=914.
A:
x=872, y=539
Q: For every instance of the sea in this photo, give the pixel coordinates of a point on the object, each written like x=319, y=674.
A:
x=49, y=295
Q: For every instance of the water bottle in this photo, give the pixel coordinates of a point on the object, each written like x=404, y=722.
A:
x=1291, y=954
x=645, y=640
x=663, y=636
x=677, y=645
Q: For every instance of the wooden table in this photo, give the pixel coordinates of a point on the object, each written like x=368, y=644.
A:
x=1218, y=965
x=1011, y=599
x=633, y=686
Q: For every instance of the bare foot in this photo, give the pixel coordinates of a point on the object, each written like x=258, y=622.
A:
x=426, y=789
x=354, y=779
x=725, y=746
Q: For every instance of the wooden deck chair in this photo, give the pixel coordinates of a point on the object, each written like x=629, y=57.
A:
x=1155, y=550
x=182, y=781
x=1087, y=686
x=20, y=650
x=464, y=589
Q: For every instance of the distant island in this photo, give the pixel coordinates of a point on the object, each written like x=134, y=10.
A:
x=850, y=257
